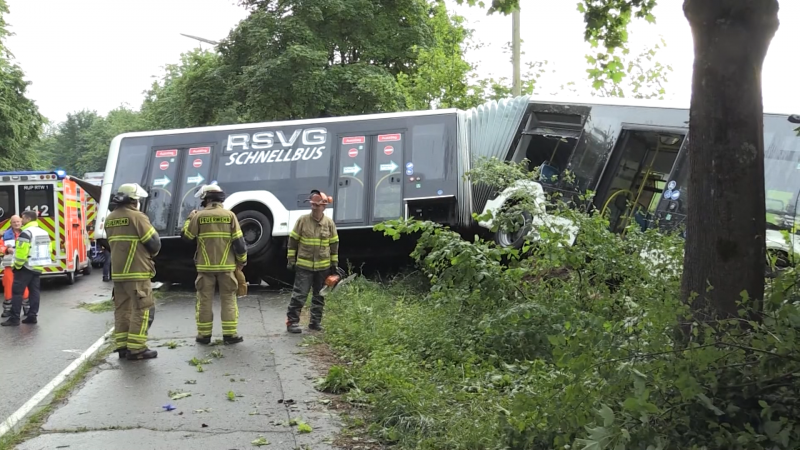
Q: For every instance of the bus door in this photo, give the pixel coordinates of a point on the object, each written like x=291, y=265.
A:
x=175, y=175
x=369, y=180
x=672, y=207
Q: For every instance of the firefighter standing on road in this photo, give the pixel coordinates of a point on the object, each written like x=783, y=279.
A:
x=7, y=244
x=314, y=251
x=134, y=243
x=220, y=252
x=32, y=253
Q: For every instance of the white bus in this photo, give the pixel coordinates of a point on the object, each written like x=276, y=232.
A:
x=412, y=164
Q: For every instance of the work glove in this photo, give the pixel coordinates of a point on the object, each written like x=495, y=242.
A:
x=290, y=266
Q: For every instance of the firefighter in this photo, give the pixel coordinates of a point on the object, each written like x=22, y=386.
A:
x=32, y=253
x=314, y=251
x=134, y=243
x=7, y=244
x=220, y=252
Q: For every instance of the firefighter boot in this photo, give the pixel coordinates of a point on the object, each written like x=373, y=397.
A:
x=123, y=352
x=205, y=340
x=147, y=354
x=314, y=326
x=6, y=308
x=293, y=328
x=230, y=340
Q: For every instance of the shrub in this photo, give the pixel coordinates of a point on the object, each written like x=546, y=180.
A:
x=583, y=346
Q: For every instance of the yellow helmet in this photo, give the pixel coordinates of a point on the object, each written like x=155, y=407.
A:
x=132, y=190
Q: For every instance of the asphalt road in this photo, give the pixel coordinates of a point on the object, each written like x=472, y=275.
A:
x=32, y=355
x=244, y=391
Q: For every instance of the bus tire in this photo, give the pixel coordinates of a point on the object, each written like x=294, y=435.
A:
x=515, y=240
x=257, y=230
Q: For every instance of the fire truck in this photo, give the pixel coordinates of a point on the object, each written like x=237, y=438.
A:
x=61, y=206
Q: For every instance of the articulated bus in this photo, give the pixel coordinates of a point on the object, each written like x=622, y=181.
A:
x=376, y=167
x=411, y=164
x=634, y=156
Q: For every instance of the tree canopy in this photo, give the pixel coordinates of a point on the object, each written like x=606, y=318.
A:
x=20, y=121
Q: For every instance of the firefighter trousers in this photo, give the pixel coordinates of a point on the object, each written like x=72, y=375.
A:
x=8, y=281
x=132, y=302
x=306, y=281
x=205, y=285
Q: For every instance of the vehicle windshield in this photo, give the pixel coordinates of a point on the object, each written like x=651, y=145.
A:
x=782, y=177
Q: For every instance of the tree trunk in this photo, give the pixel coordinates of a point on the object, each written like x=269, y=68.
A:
x=726, y=224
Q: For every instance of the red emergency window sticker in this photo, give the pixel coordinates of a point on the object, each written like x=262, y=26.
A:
x=200, y=151
x=164, y=165
x=353, y=140
x=197, y=163
x=388, y=150
x=389, y=137
x=353, y=152
x=166, y=153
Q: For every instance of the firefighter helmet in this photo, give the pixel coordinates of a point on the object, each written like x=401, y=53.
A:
x=320, y=198
x=132, y=191
x=208, y=189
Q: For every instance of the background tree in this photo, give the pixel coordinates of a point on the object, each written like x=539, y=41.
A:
x=80, y=143
x=725, y=243
x=20, y=121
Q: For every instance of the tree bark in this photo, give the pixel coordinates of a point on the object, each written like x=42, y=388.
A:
x=726, y=224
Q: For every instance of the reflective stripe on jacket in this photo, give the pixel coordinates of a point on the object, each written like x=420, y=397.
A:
x=134, y=243
x=314, y=244
x=217, y=232
x=28, y=252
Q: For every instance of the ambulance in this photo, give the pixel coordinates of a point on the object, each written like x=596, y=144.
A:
x=61, y=206
x=95, y=252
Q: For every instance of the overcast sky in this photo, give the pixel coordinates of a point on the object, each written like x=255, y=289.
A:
x=98, y=54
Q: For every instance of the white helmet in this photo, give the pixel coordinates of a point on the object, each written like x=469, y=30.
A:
x=132, y=190
x=206, y=189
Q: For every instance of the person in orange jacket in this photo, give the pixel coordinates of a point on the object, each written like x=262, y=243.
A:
x=7, y=244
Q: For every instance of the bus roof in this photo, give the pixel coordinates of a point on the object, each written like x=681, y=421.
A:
x=560, y=99
x=298, y=122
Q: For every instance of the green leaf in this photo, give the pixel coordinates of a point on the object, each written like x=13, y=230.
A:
x=607, y=414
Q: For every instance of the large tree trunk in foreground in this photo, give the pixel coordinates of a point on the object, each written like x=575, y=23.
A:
x=726, y=223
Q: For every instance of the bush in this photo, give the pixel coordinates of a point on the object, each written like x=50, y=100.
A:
x=584, y=346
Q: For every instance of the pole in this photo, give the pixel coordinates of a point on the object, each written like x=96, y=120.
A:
x=516, y=89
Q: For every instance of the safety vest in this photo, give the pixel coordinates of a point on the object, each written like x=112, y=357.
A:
x=220, y=242
x=33, y=249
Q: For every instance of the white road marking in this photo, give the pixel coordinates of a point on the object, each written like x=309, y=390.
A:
x=25, y=409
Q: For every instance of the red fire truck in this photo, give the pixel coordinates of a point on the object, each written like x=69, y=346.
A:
x=61, y=205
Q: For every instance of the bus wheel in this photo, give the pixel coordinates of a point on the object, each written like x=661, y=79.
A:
x=516, y=239
x=257, y=231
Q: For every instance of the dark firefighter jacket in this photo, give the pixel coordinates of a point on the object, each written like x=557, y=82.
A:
x=134, y=243
x=217, y=232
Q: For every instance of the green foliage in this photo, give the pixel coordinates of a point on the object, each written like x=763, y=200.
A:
x=607, y=25
x=554, y=345
x=20, y=121
x=189, y=94
x=80, y=143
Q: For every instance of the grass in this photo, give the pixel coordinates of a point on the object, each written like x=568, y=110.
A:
x=98, y=307
x=32, y=425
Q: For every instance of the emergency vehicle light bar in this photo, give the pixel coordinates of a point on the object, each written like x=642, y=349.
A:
x=32, y=175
